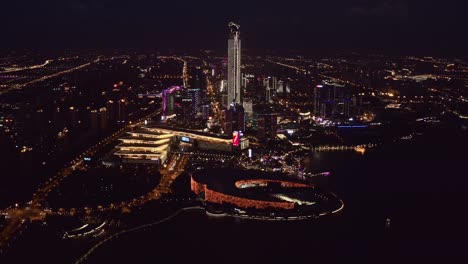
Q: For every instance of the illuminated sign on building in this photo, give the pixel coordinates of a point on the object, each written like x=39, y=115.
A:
x=236, y=138
x=185, y=139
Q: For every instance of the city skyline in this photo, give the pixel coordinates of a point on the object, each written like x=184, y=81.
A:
x=230, y=154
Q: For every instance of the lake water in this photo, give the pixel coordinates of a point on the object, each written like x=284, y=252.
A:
x=420, y=185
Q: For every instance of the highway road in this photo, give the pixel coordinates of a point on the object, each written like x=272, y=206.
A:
x=18, y=217
x=43, y=78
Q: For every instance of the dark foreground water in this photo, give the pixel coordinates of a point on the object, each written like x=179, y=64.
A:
x=420, y=185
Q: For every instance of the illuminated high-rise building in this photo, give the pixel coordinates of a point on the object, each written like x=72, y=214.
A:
x=283, y=86
x=198, y=85
x=332, y=100
x=271, y=84
x=234, y=65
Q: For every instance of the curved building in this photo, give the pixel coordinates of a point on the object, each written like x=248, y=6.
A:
x=258, y=192
x=144, y=146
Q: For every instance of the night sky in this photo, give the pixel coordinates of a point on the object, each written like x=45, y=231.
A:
x=388, y=26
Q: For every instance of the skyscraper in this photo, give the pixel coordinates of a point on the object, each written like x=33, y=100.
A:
x=271, y=84
x=267, y=126
x=235, y=119
x=234, y=65
x=332, y=100
x=198, y=90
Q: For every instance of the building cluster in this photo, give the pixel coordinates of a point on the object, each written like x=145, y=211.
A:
x=237, y=108
x=191, y=106
x=114, y=112
x=334, y=100
x=188, y=103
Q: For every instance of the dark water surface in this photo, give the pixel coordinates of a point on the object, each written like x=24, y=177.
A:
x=420, y=185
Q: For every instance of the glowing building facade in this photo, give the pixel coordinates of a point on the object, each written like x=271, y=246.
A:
x=234, y=65
x=144, y=146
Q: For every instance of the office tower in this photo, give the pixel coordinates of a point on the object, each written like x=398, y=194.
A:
x=103, y=117
x=280, y=87
x=170, y=96
x=195, y=97
x=271, y=85
x=286, y=86
x=283, y=86
x=122, y=111
x=245, y=81
x=235, y=119
x=317, y=99
x=223, y=86
x=248, y=108
x=170, y=104
x=200, y=99
x=224, y=100
x=267, y=126
x=111, y=110
x=185, y=112
x=234, y=65
x=332, y=100
x=198, y=81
